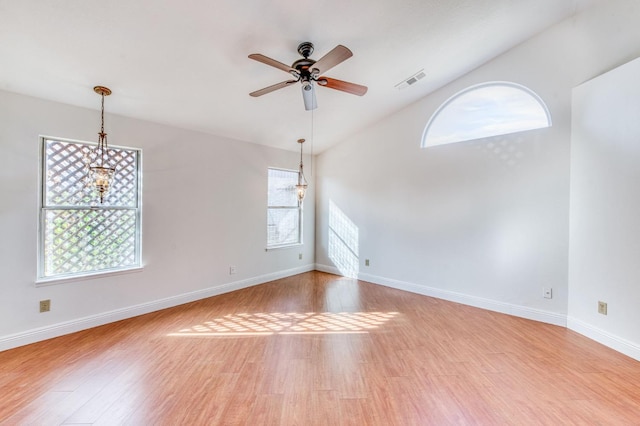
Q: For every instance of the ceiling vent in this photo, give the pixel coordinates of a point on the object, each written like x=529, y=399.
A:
x=411, y=80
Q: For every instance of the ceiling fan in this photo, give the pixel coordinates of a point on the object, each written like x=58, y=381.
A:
x=307, y=71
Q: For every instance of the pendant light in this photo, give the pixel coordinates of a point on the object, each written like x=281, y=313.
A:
x=100, y=172
x=301, y=187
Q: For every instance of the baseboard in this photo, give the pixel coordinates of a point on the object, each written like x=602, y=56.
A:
x=465, y=299
x=55, y=330
x=610, y=340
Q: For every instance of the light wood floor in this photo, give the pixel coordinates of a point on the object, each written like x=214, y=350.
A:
x=316, y=349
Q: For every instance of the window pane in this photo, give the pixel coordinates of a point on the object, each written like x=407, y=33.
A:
x=489, y=109
x=282, y=188
x=66, y=176
x=284, y=209
x=79, y=235
x=283, y=226
x=77, y=241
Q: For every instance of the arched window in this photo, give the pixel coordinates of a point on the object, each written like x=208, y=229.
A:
x=484, y=110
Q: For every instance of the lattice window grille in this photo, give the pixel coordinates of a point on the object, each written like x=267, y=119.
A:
x=67, y=180
x=79, y=235
x=82, y=241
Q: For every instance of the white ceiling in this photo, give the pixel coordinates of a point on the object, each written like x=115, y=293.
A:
x=184, y=63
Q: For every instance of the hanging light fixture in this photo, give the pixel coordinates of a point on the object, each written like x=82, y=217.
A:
x=100, y=173
x=302, y=181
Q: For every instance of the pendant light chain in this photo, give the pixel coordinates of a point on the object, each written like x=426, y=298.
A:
x=102, y=115
x=301, y=165
x=102, y=140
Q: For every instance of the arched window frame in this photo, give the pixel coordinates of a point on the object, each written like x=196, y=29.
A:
x=475, y=87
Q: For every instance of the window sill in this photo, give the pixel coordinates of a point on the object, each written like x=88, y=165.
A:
x=41, y=282
x=284, y=246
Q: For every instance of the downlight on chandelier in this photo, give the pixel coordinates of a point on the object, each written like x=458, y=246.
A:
x=301, y=187
x=100, y=171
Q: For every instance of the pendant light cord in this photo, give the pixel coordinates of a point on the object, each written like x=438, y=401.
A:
x=311, y=166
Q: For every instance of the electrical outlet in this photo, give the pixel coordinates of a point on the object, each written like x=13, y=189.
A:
x=547, y=292
x=232, y=270
x=366, y=262
x=300, y=256
x=602, y=308
x=45, y=305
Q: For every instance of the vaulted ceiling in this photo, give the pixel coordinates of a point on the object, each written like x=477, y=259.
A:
x=184, y=63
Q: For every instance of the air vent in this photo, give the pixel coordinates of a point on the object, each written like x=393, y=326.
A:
x=411, y=80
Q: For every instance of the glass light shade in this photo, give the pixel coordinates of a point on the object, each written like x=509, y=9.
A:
x=101, y=178
x=302, y=189
x=309, y=96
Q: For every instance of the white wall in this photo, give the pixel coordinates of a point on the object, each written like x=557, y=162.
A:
x=204, y=209
x=605, y=209
x=483, y=222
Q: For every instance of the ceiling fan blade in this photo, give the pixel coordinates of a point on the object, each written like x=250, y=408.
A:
x=309, y=96
x=272, y=62
x=272, y=88
x=333, y=58
x=345, y=86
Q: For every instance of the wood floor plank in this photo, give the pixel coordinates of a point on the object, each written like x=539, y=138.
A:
x=266, y=410
x=319, y=349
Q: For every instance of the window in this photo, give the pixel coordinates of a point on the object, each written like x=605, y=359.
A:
x=78, y=235
x=484, y=110
x=284, y=211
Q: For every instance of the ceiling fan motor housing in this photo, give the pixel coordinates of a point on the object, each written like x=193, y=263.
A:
x=305, y=49
x=303, y=66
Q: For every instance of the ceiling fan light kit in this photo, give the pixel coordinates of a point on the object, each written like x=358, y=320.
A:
x=307, y=71
x=309, y=96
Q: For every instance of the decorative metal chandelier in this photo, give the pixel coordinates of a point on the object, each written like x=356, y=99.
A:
x=302, y=181
x=100, y=172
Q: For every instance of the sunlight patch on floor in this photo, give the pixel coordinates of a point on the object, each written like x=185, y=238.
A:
x=289, y=323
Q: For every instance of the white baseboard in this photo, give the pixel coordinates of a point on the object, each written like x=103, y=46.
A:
x=479, y=302
x=60, y=329
x=55, y=330
x=612, y=341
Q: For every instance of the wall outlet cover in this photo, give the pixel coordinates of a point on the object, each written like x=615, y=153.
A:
x=602, y=308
